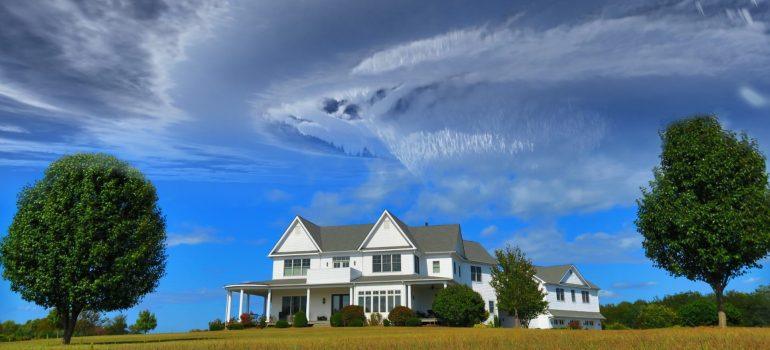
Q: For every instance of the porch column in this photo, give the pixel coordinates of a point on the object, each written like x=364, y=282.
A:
x=409, y=296
x=240, y=305
x=307, y=305
x=229, y=303
x=352, y=296
x=268, y=301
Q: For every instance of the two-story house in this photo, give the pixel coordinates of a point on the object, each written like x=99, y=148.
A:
x=321, y=269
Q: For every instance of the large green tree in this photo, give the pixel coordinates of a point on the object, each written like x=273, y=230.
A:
x=706, y=215
x=145, y=322
x=88, y=236
x=518, y=293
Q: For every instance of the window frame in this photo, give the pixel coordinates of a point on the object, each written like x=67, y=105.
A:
x=295, y=267
x=475, y=273
x=574, y=300
x=559, y=294
x=380, y=262
x=436, y=266
x=339, y=262
x=586, y=296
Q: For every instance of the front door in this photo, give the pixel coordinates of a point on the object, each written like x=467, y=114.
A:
x=339, y=301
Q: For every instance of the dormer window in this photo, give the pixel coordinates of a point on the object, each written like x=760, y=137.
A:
x=341, y=261
x=386, y=263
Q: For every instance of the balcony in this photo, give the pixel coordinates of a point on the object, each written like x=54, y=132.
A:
x=332, y=275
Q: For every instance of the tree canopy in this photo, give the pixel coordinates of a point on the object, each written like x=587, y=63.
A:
x=706, y=214
x=89, y=235
x=145, y=322
x=518, y=293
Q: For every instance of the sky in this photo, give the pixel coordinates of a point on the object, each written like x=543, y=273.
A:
x=528, y=123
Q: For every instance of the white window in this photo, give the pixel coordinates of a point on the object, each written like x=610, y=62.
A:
x=491, y=306
x=573, y=295
x=341, y=261
x=296, y=267
x=379, y=300
x=559, y=294
x=586, y=296
x=416, y=264
x=476, y=273
x=436, y=266
x=386, y=263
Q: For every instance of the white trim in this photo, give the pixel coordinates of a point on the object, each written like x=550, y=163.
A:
x=285, y=233
x=376, y=225
x=574, y=269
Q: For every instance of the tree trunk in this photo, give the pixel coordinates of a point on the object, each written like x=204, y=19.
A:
x=720, y=308
x=516, y=321
x=69, y=318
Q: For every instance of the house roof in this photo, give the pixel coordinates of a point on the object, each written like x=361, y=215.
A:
x=554, y=274
x=429, y=238
x=576, y=314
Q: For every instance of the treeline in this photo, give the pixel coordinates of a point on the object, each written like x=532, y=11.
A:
x=89, y=323
x=691, y=309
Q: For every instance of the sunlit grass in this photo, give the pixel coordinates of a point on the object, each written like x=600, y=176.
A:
x=372, y=338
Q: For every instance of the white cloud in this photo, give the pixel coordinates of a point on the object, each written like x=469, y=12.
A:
x=634, y=285
x=752, y=280
x=605, y=293
x=276, y=195
x=545, y=244
x=13, y=129
x=752, y=97
x=488, y=231
x=196, y=235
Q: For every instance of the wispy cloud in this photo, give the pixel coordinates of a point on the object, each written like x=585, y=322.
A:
x=196, y=235
x=13, y=129
x=488, y=231
x=634, y=285
x=753, y=279
x=547, y=245
x=752, y=97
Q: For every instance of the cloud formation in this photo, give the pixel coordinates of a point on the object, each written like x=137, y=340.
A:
x=196, y=235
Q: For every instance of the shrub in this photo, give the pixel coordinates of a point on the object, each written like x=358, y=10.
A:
x=234, y=326
x=386, y=322
x=216, y=325
x=262, y=322
x=247, y=320
x=616, y=326
x=656, y=316
x=459, y=305
x=300, y=320
x=356, y=322
x=496, y=322
x=399, y=315
x=350, y=313
x=574, y=324
x=336, y=320
x=698, y=312
x=413, y=322
x=375, y=319
x=282, y=324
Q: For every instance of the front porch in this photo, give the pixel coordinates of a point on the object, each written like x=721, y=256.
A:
x=284, y=298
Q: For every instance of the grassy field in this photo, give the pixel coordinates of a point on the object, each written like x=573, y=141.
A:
x=373, y=338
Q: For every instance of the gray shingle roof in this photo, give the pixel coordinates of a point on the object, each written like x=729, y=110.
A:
x=430, y=238
x=554, y=274
x=576, y=314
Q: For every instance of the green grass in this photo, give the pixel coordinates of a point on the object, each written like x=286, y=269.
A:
x=373, y=338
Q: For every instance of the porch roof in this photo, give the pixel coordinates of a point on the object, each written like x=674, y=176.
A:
x=302, y=282
x=576, y=314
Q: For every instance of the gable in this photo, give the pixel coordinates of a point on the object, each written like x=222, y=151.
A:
x=572, y=278
x=296, y=240
x=386, y=234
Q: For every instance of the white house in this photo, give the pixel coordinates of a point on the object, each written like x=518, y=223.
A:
x=320, y=269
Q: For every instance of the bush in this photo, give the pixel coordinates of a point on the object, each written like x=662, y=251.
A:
x=216, y=325
x=247, y=320
x=459, y=305
x=656, y=316
x=262, y=321
x=300, y=320
x=496, y=322
x=356, y=322
x=698, y=312
x=574, y=324
x=386, y=322
x=282, y=324
x=413, y=322
x=616, y=326
x=336, y=320
x=399, y=315
x=350, y=313
x=234, y=326
x=375, y=319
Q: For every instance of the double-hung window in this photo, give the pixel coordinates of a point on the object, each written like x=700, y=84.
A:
x=586, y=296
x=476, y=273
x=296, y=267
x=573, y=295
x=341, y=261
x=559, y=294
x=491, y=306
x=416, y=265
x=386, y=263
x=436, y=266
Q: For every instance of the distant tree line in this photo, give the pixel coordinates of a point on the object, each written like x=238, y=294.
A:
x=691, y=309
x=88, y=323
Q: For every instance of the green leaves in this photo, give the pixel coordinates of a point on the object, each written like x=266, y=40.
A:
x=89, y=235
x=514, y=282
x=459, y=305
x=706, y=216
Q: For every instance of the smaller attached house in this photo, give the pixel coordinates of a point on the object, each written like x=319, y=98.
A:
x=381, y=265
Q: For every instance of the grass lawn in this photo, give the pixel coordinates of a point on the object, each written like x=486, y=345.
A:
x=372, y=338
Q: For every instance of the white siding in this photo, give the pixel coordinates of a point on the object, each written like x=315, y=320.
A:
x=407, y=263
x=484, y=288
x=297, y=240
x=386, y=235
x=572, y=278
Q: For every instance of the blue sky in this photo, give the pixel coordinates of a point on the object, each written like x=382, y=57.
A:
x=527, y=123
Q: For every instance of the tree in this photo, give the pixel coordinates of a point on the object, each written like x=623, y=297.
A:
x=706, y=215
x=518, y=293
x=145, y=322
x=88, y=236
x=117, y=325
x=656, y=316
x=459, y=305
